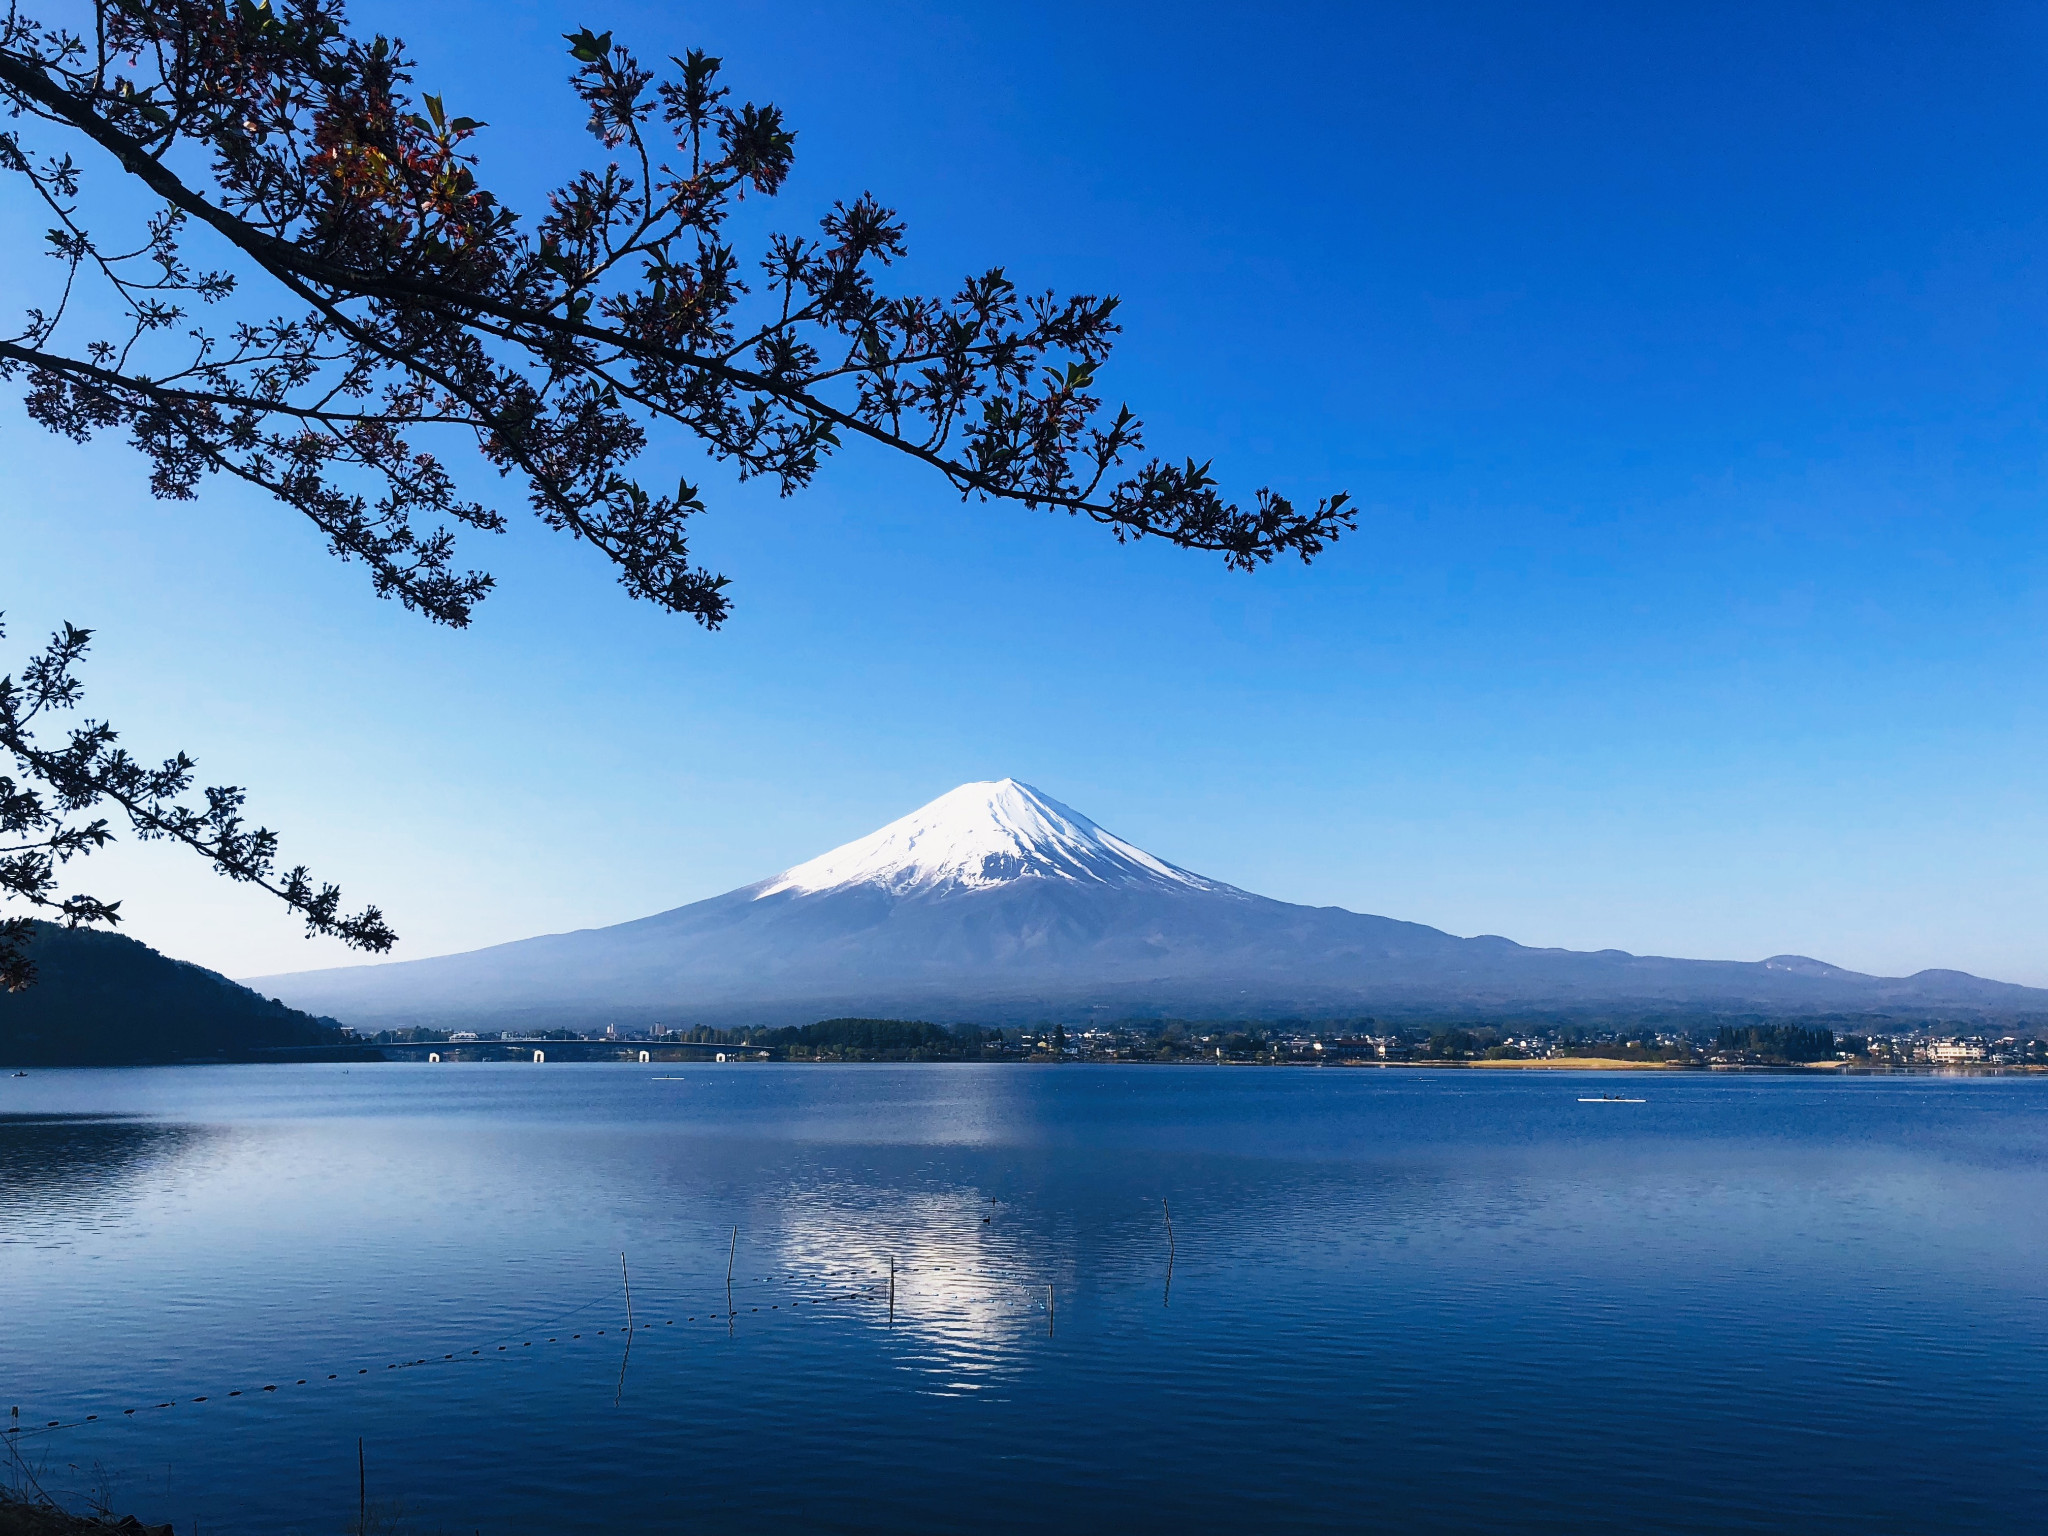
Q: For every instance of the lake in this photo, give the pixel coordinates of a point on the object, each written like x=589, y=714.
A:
x=1398, y=1300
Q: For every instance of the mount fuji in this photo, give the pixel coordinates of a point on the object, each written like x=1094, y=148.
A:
x=996, y=904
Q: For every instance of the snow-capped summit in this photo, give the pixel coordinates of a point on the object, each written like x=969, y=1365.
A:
x=981, y=835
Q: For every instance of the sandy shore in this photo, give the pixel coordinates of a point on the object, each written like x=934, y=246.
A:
x=1584, y=1064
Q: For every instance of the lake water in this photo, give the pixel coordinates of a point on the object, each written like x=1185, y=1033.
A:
x=1400, y=1300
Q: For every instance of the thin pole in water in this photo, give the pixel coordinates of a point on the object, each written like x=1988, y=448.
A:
x=730, y=1254
x=362, y=1492
x=892, y=1290
x=1048, y=1311
x=620, y=1396
x=1167, y=1299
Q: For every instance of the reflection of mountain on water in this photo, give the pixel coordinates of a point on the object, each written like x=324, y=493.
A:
x=60, y=1171
x=970, y=1296
x=965, y=1293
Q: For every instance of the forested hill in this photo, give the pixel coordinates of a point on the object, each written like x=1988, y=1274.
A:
x=104, y=1000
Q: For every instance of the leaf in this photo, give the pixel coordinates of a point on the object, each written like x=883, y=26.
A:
x=260, y=19
x=587, y=47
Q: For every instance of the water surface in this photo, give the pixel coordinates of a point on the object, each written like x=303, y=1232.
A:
x=1399, y=1300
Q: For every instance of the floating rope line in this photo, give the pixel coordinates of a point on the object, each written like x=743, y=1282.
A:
x=878, y=1289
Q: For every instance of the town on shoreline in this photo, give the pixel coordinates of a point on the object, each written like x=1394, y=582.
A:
x=1364, y=1043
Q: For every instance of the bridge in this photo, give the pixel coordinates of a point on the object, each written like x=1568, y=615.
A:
x=571, y=1049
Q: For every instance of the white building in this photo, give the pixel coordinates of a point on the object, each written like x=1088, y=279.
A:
x=1954, y=1050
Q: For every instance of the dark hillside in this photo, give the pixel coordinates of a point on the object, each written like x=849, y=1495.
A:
x=104, y=1000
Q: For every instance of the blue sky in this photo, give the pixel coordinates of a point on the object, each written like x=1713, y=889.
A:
x=1689, y=368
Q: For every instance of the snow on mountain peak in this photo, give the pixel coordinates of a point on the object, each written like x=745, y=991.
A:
x=983, y=835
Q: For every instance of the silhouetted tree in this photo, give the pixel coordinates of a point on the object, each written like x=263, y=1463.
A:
x=401, y=297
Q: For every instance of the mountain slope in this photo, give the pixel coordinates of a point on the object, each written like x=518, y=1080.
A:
x=102, y=999
x=995, y=904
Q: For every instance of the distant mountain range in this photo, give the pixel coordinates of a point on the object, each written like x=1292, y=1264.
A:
x=996, y=904
x=103, y=999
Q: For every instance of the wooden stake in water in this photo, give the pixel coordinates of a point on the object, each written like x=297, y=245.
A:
x=627, y=1280
x=362, y=1492
x=1167, y=1299
x=730, y=1253
x=1048, y=1311
x=892, y=1290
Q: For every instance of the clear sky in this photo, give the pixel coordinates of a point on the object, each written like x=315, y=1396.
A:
x=1688, y=363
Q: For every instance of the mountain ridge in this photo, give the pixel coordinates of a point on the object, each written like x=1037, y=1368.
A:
x=996, y=904
x=104, y=999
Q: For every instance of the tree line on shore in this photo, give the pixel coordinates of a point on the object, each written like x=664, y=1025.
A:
x=107, y=1000
x=1659, y=1041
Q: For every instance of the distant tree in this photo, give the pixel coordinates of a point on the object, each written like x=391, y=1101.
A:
x=1777, y=1042
x=401, y=297
x=866, y=1039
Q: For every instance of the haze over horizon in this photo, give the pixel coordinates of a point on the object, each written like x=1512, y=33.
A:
x=1695, y=398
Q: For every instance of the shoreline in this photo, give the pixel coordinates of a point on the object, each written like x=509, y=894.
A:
x=1526, y=1064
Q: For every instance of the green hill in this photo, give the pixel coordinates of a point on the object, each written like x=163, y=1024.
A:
x=102, y=1000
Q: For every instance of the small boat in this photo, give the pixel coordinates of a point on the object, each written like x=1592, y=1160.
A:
x=1613, y=1098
